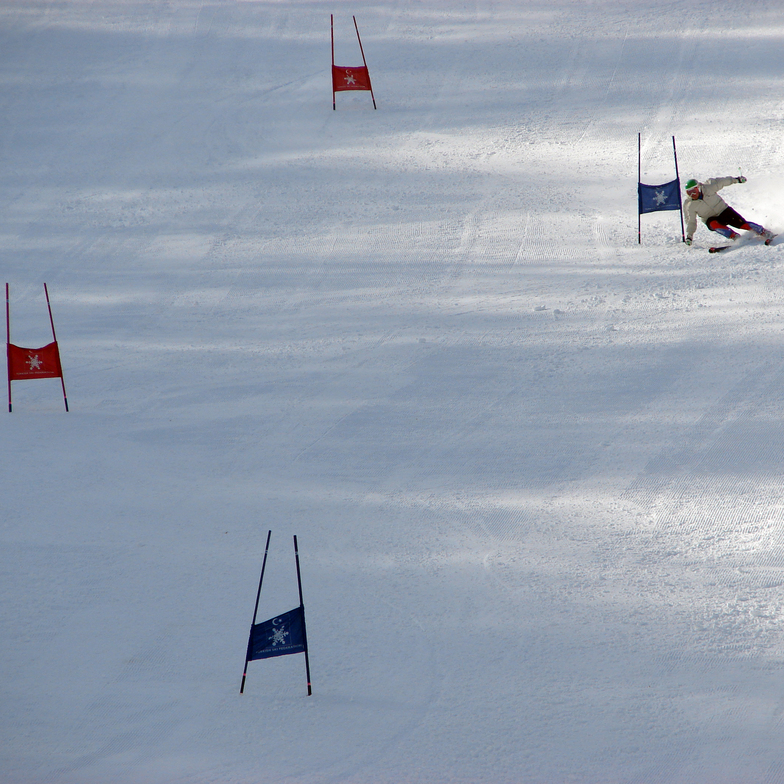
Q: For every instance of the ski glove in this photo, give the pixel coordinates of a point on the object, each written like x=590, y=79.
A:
x=740, y=179
x=688, y=240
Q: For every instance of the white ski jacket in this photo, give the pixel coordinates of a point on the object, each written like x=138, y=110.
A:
x=707, y=207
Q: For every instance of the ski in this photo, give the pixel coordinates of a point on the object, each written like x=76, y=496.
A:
x=720, y=248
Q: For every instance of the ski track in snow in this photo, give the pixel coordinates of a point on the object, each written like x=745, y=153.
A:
x=533, y=465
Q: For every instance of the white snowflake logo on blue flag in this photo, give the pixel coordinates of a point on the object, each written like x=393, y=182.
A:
x=279, y=633
x=655, y=198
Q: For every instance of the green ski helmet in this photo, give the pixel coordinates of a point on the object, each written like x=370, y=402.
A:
x=691, y=184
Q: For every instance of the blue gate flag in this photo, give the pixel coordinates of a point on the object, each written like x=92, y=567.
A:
x=278, y=636
x=656, y=198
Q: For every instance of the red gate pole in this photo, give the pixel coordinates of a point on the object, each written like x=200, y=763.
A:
x=364, y=61
x=332, y=72
x=54, y=336
x=8, y=343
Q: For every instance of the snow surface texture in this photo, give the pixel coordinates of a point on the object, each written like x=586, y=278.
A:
x=534, y=467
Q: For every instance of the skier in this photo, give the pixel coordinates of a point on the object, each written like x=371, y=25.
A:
x=704, y=202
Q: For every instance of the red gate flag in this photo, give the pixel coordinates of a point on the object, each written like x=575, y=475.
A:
x=26, y=363
x=345, y=78
x=349, y=77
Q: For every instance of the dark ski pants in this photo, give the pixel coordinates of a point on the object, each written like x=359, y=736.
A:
x=729, y=217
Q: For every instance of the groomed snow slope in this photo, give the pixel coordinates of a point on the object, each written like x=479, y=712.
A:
x=534, y=467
